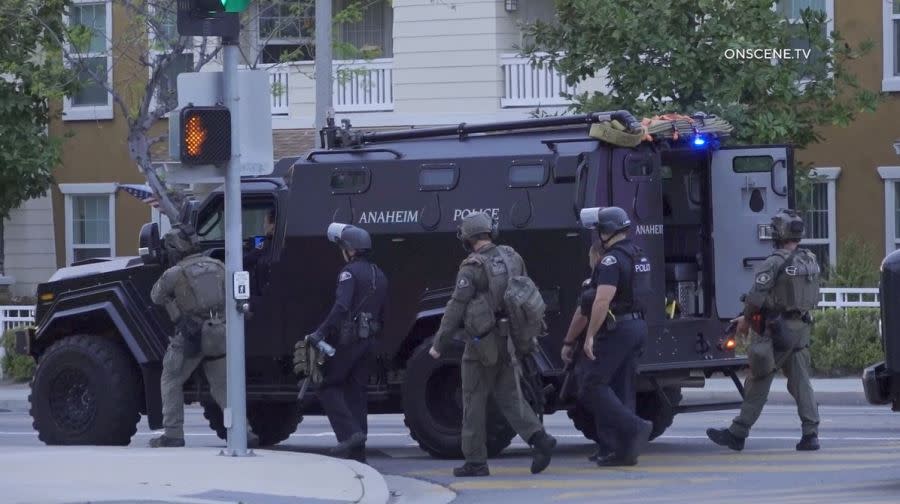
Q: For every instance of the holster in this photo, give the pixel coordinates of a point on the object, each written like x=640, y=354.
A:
x=362, y=326
x=781, y=337
x=190, y=330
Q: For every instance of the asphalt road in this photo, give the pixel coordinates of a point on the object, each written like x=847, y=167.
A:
x=859, y=462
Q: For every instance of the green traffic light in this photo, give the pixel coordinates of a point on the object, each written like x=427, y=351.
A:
x=235, y=5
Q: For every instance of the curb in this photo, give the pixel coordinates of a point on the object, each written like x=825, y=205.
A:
x=375, y=489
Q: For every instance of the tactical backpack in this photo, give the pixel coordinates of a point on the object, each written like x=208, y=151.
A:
x=522, y=301
x=801, y=291
x=200, y=292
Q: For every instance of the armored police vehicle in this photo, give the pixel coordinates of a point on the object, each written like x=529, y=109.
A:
x=881, y=381
x=700, y=212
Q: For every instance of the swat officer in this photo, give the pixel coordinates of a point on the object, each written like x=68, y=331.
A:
x=487, y=362
x=623, y=382
x=351, y=327
x=615, y=337
x=193, y=294
x=776, y=313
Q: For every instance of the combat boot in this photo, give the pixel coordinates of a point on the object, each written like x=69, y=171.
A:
x=542, y=445
x=809, y=442
x=724, y=437
x=166, y=442
x=356, y=441
x=614, y=460
x=637, y=444
x=471, y=470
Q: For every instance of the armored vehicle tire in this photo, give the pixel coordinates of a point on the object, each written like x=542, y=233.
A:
x=273, y=422
x=86, y=390
x=432, y=406
x=648, y=406
x=651, y=407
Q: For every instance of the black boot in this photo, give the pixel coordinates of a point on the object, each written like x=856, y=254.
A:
x=724, y=437
x=809, y=442
x=359, y=455
x=601, y=452
x=542, y=445
x=470, y=470
x=356, y=441
x=614, y=460
x=636, y=444
x=166, y=442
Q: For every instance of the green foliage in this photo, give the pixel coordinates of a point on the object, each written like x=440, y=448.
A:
x=856, y=266
x=670, y=56
x=846, y=341
x=18, y=368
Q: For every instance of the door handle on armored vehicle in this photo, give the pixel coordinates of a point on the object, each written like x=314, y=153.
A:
x=313, y=154
x=748, y=260
x=772, y=176
x=578, y=204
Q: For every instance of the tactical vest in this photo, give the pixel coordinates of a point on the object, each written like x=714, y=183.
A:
x=200, y=288
x=640, y=281
x=797, y=282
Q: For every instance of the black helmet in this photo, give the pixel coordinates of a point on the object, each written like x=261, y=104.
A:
x=476, y=224
x=787, y=226
x=349, y=236
x=607, y=220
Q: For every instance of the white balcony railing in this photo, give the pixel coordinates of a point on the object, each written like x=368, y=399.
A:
x=849, y=297
x=363, y=86
x=12, y=317
x=525, y=85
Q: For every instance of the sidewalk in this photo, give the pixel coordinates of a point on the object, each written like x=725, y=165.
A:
x=57, y=475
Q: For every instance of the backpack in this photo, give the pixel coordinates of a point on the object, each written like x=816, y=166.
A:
x=201, y=288
x=525, y=307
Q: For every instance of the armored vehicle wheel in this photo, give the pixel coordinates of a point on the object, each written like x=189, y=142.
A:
x=86, y=390
x=273, y=422
x=432, y=406
x=651, y=407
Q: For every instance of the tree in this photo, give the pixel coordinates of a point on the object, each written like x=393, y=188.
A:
x=31, y=74
x=679, y=56
x=151, y=53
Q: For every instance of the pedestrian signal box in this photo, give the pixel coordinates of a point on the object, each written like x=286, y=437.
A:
x=205, y=135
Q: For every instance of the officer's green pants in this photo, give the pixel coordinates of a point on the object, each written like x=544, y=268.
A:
x=498, y=381
x=795, y=367
x=176, y=370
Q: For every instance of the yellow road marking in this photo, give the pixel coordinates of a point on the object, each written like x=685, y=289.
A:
x=520, y=484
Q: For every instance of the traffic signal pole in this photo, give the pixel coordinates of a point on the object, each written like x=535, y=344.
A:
x=235, y=415
x=323, y=63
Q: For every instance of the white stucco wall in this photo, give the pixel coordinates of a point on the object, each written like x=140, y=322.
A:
x=29, y=245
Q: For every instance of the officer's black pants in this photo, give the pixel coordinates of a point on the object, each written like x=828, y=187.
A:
x=343, y=391
x=614, y=369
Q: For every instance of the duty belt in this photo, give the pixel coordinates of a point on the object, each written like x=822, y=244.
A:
x=620, y=317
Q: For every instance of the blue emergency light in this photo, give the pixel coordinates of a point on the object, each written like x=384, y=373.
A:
x=699, y=141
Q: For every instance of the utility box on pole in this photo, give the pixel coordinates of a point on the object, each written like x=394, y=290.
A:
x=204, y=90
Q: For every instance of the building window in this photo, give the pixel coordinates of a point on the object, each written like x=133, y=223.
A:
x=161, y=41
x=94, y=61
x=792, y=10
x=891, y=177
x=820, y=215
x=286, y=31
x=891, y=37
x=90, y=221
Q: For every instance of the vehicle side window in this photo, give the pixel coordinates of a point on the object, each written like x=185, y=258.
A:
x=528, y=174
x=638, y=166
x=211, y=225
x=752, y=164
x=438, y=177
x=350, y=180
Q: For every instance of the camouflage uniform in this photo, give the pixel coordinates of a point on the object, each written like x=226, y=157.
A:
x=785, y=289
x=487, y=368
x=185, y=289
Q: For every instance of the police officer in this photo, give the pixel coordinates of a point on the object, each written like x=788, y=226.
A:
x=615, y=337
x=776, y=313
x=487, y=365
x=351, y=327
x=623, y=383
x=193, y=294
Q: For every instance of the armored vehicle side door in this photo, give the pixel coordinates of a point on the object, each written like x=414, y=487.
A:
x=749, y=185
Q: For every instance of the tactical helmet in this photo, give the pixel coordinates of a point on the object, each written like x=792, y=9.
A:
x=181, y=241
x=349, y=236
x=608, y=220
x=787, y=226
x=476, y=224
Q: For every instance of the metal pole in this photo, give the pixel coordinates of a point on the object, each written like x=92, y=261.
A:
x=235, y=415
x=323, y=63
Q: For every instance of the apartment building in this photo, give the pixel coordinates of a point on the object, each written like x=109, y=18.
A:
x=436, y=62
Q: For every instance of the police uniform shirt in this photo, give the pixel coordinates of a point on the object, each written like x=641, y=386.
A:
x=354, y=286
x=614, y=269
